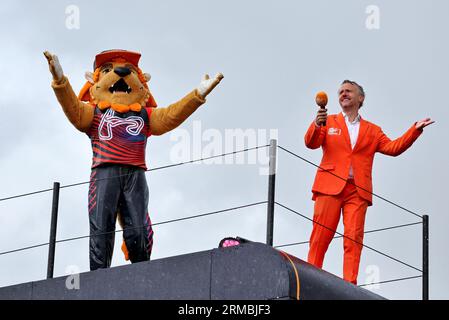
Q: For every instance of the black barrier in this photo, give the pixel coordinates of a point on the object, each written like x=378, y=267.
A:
x=249, y=271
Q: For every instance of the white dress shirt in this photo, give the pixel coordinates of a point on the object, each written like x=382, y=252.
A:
x=353, y=130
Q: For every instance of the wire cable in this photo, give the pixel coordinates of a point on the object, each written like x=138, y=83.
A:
x=364, y=245
x=376, y=195
x=165, y=222
x=170, y=165
x=336, y=237
x=24, y=248
x=148, y=170
x=138, y=227
x=26, y=194
x=388, y=281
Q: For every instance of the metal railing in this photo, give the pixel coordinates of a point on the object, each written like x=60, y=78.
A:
x=271, y=204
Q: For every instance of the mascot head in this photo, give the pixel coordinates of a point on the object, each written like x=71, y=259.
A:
x=117, y=81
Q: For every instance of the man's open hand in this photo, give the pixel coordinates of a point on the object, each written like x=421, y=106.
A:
x=55, y=66
x=423, y=123
x=207, y=84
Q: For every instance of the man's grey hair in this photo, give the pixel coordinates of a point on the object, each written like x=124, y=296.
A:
x=361, y=91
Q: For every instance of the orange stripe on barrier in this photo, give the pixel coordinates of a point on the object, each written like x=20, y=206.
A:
x=298, y=284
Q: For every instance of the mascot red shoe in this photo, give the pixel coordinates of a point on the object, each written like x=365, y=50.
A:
x=117, y=111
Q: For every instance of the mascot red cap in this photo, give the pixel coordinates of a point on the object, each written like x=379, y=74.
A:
x=109, y=56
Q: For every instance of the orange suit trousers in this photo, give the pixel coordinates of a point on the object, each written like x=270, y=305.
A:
x=327, y=211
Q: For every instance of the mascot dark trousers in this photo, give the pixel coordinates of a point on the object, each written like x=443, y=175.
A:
x=118, y=188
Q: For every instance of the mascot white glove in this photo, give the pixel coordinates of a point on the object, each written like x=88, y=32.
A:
x=55, y=66
x=207, y=85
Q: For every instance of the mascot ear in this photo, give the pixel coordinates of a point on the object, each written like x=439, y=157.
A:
x=89, y=77
x=147, y=76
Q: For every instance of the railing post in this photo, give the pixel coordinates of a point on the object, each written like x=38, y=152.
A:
x=425, y=256
x=54, y=222
x=271, y=191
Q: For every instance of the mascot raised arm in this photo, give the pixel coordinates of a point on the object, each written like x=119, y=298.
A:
x=117, y=111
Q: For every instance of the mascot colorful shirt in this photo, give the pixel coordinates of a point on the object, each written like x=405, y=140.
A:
x=117, y=111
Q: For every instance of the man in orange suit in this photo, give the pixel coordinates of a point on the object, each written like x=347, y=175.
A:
x=343, y=180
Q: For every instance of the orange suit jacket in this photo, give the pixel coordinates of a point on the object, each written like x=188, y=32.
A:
x=338, y=154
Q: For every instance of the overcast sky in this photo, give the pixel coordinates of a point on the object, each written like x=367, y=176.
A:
x=275, y=56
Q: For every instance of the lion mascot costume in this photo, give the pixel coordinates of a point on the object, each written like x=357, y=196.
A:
x=117, y=111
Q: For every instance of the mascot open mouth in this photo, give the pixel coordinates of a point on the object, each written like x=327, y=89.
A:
x=120, y=86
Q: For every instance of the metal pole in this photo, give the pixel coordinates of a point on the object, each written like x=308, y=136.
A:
x=425, y=262
x=54, y=221
x=271, y=189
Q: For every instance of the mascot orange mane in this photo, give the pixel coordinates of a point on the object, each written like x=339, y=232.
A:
x=117, y=111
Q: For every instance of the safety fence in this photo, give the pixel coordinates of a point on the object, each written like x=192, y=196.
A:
x=271, y=204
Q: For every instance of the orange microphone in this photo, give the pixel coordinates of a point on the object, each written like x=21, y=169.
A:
x=321, y=100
